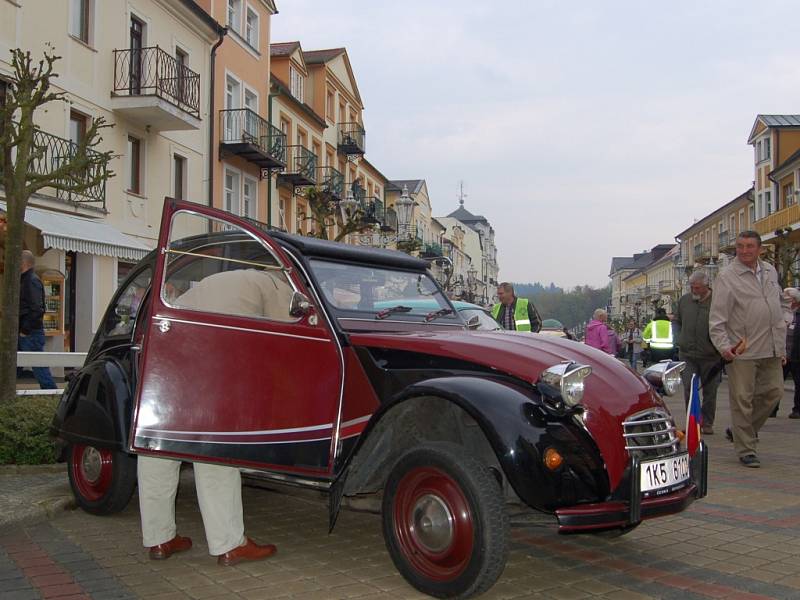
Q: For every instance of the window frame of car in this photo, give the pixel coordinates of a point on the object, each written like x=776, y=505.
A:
x=415, y=318
x=103, y=332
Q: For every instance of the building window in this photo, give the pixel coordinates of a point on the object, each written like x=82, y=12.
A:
x=251, y=28
x=767, y=148
x=235, y=15
x=250, y=198
x=179, y=177
x=768, y=203
x=182, y=75
x=788, y=194
x=232, y=189
x=80, y=19
x=330, y=100
x=77, y=127
x=134, y=165
x=296, y=81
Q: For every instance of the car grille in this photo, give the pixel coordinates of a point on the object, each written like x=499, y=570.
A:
x=650, y=434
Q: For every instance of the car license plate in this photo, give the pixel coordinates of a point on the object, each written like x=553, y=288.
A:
x=664, y=474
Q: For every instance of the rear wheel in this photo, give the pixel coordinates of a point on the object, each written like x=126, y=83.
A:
x=444, y=521
x=101, y=479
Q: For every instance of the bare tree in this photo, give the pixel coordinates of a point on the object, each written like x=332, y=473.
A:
x=327, y=217
x=25, y=172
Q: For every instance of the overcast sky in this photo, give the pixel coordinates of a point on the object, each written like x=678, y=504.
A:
x=582, y=130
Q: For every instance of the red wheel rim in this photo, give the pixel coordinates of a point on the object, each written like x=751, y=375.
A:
x=92, y=470
x=433, y=523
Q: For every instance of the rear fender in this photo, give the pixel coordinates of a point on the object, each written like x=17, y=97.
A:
x=96, y=407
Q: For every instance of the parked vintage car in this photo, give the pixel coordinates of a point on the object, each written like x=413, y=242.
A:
x=313, y=363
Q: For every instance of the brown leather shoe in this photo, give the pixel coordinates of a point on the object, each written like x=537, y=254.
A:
x=167, y=549
x=249, y=551
x=707, y=430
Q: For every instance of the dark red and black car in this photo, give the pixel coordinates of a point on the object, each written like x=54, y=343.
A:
x=311, y=362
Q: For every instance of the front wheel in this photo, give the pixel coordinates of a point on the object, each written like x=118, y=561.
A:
x=101, y=479
x=444, y=521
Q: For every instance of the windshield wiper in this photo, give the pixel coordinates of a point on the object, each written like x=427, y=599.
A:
x=382, y=314
x=438, y=313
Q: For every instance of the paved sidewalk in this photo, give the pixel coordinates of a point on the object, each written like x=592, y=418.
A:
x=741, y=543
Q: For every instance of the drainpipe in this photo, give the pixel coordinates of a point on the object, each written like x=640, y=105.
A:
x=213, y=119
x=269, y=181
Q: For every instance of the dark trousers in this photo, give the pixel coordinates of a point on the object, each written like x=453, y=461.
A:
x=710, y=374
x=793, y=367
x=34, y=342
x=659, y=354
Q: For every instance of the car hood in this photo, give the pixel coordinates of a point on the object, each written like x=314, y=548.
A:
x=612, y=392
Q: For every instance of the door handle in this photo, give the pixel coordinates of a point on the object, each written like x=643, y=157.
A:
x=164, y=325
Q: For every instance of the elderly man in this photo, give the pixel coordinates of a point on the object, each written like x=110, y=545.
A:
x=748, y=327
x=31, y=311
x=695, y=346
x=516, y=314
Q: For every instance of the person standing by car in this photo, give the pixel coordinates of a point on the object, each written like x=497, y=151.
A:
x=633, y=343
x=597, y=332
x=515, y=314
x=658, y=335
x=793, y=360
x=31, y=311
x=746, y=310
x=695, y=347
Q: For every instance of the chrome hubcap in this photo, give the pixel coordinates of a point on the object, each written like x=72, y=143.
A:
x=433, y=523
x=91, y=464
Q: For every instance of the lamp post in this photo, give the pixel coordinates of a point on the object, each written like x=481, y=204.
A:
x=404, y=207
x=472, y=284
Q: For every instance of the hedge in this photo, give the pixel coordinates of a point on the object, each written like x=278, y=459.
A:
x=25, y=430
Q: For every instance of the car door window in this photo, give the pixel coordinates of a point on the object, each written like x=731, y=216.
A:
x=223, y=270
x=121, y=319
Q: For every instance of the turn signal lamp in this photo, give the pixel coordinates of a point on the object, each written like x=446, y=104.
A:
x=552, y=459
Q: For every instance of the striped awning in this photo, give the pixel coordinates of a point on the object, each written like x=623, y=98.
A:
x=79, y=234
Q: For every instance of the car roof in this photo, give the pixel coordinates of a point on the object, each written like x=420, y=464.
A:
x=317, y=248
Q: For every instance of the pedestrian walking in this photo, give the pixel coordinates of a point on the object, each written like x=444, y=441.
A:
x=597, y=332
x=31, y=310
x=633, y=343
x=695, y=347
x=515, y=314
x=747, y=309
x=793, y=360
x=658, y=335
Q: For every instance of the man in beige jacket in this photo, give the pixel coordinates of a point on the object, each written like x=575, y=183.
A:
x=748, y=305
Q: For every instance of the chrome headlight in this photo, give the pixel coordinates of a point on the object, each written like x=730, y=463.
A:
x=568, y=377
x=665, y=375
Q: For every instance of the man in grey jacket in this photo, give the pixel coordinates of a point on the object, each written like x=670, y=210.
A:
x=748, y=307
x=695, y=347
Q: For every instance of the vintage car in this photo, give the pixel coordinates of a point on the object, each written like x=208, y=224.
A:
x=346, y=369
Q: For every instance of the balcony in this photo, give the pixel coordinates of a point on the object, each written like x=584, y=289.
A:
x=727, y=241
x=152, y=88
x=331, y=182
x=351, y=138
x=301, y=168
x=786, y=217
x=431, y=250
x=243, y=133
x=51, y=152
x=701, y=253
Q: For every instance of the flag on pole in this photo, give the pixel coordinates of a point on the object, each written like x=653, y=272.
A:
x=694, y=417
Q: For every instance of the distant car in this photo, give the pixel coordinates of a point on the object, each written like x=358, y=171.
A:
x=347, y=370
x=553, y=327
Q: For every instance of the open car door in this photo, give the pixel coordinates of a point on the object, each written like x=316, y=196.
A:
x=229, y=371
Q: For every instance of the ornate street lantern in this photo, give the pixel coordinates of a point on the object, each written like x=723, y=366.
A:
x=404, y=207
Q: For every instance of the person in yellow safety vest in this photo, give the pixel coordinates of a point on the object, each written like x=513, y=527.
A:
x=516, y=314
x=658, y=335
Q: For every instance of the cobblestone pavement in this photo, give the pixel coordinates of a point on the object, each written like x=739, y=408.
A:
x=742, y=542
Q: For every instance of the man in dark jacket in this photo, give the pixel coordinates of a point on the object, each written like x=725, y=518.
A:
x=695, y=347
x=31, y=310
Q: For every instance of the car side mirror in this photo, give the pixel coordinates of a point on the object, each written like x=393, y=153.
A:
x=300, y=305
x=473, y=322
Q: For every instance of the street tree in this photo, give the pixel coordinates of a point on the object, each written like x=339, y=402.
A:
x=24, y=171
x=326, y=215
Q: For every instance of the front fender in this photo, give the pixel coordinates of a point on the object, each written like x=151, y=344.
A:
x=516, y=427
x=96, y=407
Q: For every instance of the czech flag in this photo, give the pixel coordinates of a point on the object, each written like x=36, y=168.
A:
x=694, y=417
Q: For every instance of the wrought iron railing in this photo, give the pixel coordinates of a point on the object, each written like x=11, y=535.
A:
x=154, y=72
x=700, y=251
x=302, y=162
x=359, y=193
x=725, y=239
x=331, y=181
x=432, y=249
x=352, y=137
x=245, y=126
x=51, y=152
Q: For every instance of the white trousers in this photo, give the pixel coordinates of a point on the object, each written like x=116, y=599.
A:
x=219, y=494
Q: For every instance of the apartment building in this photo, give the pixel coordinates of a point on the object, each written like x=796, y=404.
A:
x=631, y=278
x=775, y=139
x=145, y=66
x=246, y=149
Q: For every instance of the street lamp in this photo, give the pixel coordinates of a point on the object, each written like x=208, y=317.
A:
x=404, y=209
x=472, y=283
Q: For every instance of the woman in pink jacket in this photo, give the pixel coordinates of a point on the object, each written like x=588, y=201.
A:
x=597, y=332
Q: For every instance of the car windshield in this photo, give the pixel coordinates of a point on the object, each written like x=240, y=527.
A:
x=383, y=291
x=485, y=321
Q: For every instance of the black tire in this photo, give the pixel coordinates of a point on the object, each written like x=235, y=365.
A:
x=101, y=479
x=440, y=483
